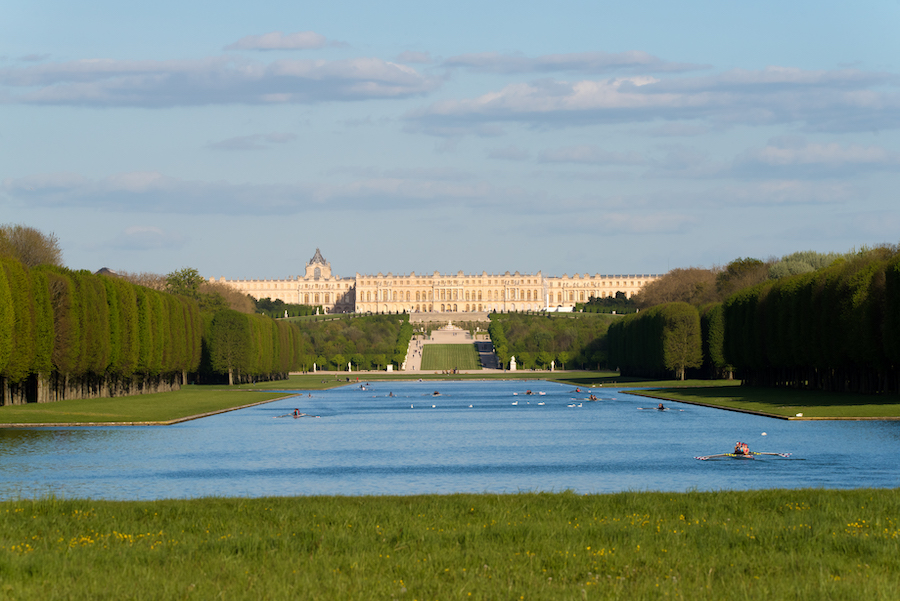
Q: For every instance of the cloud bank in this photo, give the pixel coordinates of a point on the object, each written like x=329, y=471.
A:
x=276, y=40
x=220, y=80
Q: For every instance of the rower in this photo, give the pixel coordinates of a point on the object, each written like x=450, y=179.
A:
x=296, y=413
x=661, y=407
x=741, y=448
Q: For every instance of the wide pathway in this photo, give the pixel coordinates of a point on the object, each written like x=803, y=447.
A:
x=418, y=342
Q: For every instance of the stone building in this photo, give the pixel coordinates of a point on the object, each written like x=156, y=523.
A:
x=317, y=286
x=436, y=292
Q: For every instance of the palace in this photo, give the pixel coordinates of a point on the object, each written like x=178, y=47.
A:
x=437, y=293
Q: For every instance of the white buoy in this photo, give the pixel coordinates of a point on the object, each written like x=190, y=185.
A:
x=799, y=415
x=763, y=433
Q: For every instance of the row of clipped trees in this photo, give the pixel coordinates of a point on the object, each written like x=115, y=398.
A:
x=68, y=334
x=657, y=342
x=536, y=341
x=834, y=329
x=247, y=348
x=363, y=341
x=72, y=334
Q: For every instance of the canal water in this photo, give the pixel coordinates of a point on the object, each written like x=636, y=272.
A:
x=474, y=437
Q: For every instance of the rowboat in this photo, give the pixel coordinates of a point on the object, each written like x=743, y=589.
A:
x=750, y=455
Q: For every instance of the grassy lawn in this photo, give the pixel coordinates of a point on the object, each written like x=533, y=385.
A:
x=160, y=407
x=450, y=356
x=748, y=545
x=787, y=403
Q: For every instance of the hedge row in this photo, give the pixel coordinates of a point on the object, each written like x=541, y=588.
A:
x=67, y=334
x=834, y=329
x=657, y=342
x=364, y=341
x=536, y=341
x=249, y=347
x=72, y=334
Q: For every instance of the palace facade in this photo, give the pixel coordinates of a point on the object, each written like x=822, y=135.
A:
x=436, y=292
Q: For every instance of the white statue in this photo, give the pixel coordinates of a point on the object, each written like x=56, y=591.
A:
x=512, y=363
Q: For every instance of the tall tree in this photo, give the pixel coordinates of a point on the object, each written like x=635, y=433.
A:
x=693, y=285
x=229, y=342
x=29, y=246
x=681, y=338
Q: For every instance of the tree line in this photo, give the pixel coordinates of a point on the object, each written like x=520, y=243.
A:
x=536, y=341
x=364, y=341
x=71, y=334
x=833, y=328
x=68, y=334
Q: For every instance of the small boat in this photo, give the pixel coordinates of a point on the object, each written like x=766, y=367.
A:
x=750, y=455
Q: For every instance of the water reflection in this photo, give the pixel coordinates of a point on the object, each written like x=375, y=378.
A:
x=474, y=437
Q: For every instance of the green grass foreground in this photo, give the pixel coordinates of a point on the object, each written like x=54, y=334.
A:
x=450, y=356
x=775, y=544
x=159, y=407
x=783, y=402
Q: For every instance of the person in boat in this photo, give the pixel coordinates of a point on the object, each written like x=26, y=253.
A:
x=741, y=448
x=391, y=394
x=296, y=413
x=661, y=407
x=577, y=390
x=593, y=398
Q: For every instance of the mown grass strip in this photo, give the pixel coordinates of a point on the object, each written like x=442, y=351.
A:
x=159, y=407
x=776, y=544
x=449, y=357
x=786, y=403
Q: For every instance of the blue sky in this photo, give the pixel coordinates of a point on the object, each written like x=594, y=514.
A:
x=567, y=137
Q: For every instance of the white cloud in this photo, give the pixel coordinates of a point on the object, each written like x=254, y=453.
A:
x=667, y=130
x=509, y=153
x=153, y=192
x=276, y=40
x=410, y=56
x=783, y=152
x=590, y=155
x=784, y=192
x=582, y=62
x=34, y=58
x=141, y=237
x=253, y=141
x=844, y=100
x=219, y=80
